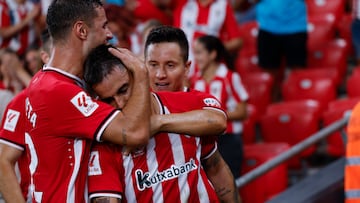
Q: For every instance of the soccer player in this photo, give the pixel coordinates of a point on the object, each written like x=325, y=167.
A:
x=62, y=120
x=166, y=57
x=12, y=150
x=170, y=162
x=12, y=142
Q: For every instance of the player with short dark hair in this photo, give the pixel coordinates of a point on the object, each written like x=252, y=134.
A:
x=62, y=119
x=170, y=161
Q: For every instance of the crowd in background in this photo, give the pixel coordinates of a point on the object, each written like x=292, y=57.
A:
x=22, y=26
x=23, y=21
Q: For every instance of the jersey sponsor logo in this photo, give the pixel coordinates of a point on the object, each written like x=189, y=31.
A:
x=212, y=102
x=84, y=103
x=11, y=120
x=144, y=180
x=94, y=164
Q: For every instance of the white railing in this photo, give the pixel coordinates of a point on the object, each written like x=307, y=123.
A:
x=294, y=150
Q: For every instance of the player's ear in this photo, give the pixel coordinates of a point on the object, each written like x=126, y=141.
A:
x=81, y=29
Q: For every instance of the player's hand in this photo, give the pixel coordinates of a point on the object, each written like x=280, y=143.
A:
x=131, y=61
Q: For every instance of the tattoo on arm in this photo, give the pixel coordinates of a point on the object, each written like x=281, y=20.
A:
x=223, y=191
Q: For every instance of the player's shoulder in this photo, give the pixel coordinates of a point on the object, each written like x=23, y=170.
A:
x=198, y=93
x=54, y=84
x=18, y=101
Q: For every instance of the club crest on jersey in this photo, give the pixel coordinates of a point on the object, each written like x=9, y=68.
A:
x=146, y=180
x=94, y=164
x=84, y=103
x=212, y=102
x=11, y=120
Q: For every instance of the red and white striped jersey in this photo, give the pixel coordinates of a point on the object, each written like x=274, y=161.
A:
x=12, y=133
x=166, y=170
x=217, y=19
x=15, y=13
x=227, y=88
x=62, y=121
x=5, y=21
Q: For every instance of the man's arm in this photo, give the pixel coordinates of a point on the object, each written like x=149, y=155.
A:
x=239, y=113
x=196, y=122
x=219, y=174
x=9, y=185
x=7, y=32
x=131, y=127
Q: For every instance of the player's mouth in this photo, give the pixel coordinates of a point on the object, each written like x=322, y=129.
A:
x=162, y=86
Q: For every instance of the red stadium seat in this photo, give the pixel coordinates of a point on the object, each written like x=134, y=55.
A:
x=321, y=72
x=247, y=62
x=336, y=110
x=272, y=182
x=353, y=83
x=259, y=86
x=308, y=105
x=249, y=125
x=291, y=122
x=247, y=59
x=343, y=28
x=321, y=30
x=299, y=87
x=249, y=32
x=331, y=55
x=323, y=7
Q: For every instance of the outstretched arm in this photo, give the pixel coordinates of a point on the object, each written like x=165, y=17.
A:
x=219, y=174
x=196, y=122
x=9, y=185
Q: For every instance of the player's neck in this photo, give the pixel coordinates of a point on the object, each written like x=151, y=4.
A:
x=67, y=59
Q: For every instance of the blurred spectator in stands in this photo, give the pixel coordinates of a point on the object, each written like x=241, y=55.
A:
x=244, y=10
x=12, y=71
x=121, y=22
x=282, y=35
x=42, y=18
x=161, y=10
x=146, y=28
x=146, y=11
x=208, y=17
x=355, y=29
x=32, y=60
x=17, y=24
x=216, y=77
